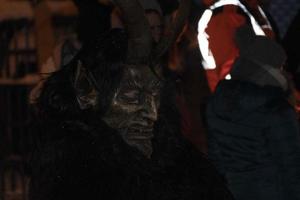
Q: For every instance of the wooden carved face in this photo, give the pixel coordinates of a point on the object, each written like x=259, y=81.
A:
x=135, y=105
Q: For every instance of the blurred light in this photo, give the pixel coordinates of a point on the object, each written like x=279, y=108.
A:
x=228, y=77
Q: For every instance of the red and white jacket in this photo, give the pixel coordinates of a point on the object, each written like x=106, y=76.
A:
x=216, y=30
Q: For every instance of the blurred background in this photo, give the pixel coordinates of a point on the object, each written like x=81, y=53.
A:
x=29, y=32
x=36, y=37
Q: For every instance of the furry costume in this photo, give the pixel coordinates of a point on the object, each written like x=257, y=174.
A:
x=81, y=157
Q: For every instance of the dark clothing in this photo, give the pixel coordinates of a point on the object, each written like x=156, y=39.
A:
x=92, y=161
x=254, y=141
x=87, y=159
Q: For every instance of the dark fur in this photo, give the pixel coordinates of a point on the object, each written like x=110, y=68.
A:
x=80, y=157
x=104, y=58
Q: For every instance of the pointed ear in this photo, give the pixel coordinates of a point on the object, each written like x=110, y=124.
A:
x=85, y=91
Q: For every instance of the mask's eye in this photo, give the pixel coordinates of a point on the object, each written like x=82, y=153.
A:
x=130, y=97
x=86, y=86
x=83, y=85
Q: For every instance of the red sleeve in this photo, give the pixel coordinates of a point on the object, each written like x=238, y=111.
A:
x=221, y=30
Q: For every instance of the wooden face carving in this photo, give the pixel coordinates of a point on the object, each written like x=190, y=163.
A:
x=135, y=105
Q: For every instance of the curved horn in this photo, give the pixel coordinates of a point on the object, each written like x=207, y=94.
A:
x=139, y=34
x=175, y=29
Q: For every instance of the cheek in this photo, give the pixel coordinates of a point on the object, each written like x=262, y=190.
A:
x=120, y=113
x=115, y=118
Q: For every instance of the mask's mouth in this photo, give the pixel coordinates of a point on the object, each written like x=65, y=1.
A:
x=138, y=129
x=139, y=137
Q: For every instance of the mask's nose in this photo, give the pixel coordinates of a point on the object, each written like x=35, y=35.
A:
x=150, y=109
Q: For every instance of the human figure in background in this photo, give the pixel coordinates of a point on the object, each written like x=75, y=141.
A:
x=153, y=14
x=156, y=23
x=192, y=88
x=216, y=30
x=184, y=60
x=282, y=14
x=253, y=132
x=93, y=20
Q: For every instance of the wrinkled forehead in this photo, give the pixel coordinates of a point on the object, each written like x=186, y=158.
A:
x=142, y=76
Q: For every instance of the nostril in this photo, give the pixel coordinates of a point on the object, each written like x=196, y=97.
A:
x=149, y=116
